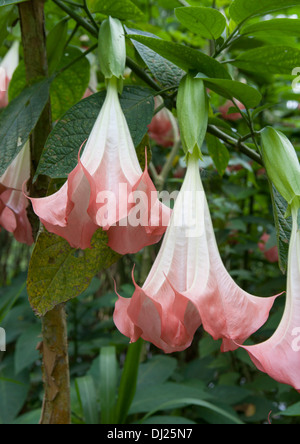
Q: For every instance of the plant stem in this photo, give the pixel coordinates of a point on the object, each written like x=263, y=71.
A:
x=56, y=406
x=240, y=146
x=91, y=29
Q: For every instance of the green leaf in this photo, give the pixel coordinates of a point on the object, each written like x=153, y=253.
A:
x=56, y=42
x=218, y=152
x=207, y=22
x=58, y=273
x=69, y=86
x=18, y=120
x=86, y=393
x=128, y=382
x=230, y=89
x=162, y=69
x=184, y=57
x=283, y=227
x=151, y=397
x=13, y=391
x=269, y=60
x=121, y=9
x=293, y=410
x=10, y=2
x=60, y=155
x=275, y=27
x=26, y=352
x=241, y=10
x=108, y=384
x=10, y=295
x=7, y=16
x=156, y=371
x=182, y=402
x=66, y=88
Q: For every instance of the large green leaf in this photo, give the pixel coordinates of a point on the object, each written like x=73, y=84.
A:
x=184, y=57
x=121, y=9
x=13, y=391
x=26, y=352
x=108, y=384
x=283, y=227
x=218, y=152
x=275, y=27
x=18, y=120
x=241, y=10
x=230, y=89
x=207, y=22
x=58, y=272
x=67, y=88
x=87, y=397
x=128, y=381
x=7, y=15
x=269, y=60
x=60, y=155
x=162, y=69
x=10, y=2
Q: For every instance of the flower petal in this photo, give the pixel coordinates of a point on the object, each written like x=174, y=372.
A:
x=279, y=356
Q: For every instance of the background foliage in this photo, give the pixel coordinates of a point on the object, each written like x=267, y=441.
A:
x=200, y=385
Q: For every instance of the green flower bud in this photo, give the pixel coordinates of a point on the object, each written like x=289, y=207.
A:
x=282, y=164
x=112, y=49
x=192, y=111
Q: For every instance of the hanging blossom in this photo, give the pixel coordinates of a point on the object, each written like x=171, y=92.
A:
x=107, y=189
x=279, y=356
x=13, y=203
x=7, y=68
x=189, y=285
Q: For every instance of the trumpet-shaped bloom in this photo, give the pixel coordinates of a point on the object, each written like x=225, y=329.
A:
x=7, y=68
x=106, y=189
x=13, y=204
x=279, y=356
x=189, y=285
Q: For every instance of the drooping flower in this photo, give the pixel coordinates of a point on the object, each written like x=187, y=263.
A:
x=164, y=128
x=7, y=68
x=279, y=356
x=189, y=285
x=103, y=190
x=13, y=203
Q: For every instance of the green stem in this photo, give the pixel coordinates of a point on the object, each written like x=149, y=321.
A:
x=129, y=62
x=235, y=144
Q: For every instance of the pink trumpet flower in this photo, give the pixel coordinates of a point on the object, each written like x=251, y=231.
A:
x=7, y=68
x=13, y=204
x=189, y=285
x=103, y=190
x=279, y=356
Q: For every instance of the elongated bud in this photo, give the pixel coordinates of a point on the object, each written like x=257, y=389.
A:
x=281, y=163
x=192, y=111
x=112, y=49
